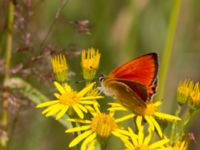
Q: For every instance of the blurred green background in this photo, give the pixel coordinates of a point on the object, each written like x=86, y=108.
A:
x=121, y=30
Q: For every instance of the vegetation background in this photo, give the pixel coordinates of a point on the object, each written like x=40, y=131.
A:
x=121, y=30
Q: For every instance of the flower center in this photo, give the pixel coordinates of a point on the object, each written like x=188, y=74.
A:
x=103, y=125
x=142, y=147
x=148, y=110
x=70, y=98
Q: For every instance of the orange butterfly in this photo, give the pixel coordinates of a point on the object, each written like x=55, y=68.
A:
x=133, y=83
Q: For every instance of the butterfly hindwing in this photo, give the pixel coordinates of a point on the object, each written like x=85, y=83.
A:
x=127, y=96
x=138, y=88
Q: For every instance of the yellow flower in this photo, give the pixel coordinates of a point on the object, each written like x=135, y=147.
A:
x=69, y=99
x=182, y=144
x=149, y=114
x=140, y=141
x=195, y=96
x=183, y=91
x=90, y=63
x=100, y=126
x=59, y=67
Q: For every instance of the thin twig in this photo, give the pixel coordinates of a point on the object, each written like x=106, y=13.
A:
x=63, y=4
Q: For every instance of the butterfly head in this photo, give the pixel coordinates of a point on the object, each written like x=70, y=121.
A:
x=101, y=78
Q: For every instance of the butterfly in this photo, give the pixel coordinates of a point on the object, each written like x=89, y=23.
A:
x=133, y=84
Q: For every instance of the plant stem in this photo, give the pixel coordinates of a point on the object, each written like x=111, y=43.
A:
x=174, y=126
x=8, y=50
x=186, y=118
x=168, y=47
x=103, y=143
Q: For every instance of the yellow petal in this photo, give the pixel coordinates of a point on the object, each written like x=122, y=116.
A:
x=125, y=118
x=87, y=141
x=91, y=97
x=148, y=138
x=167, y=117
x=79, y=138
x=57, y=95
x=151, y=125
x=50, y=108
x=140, y=136
x=157, y=126
x=133, y=136
x=67, y=87
x=78, y=111
x=62, y=112
x=158, y=144
x=91, y=146
x=44, y=104
x=86, y=89
x=124, y=132
x=87, y=102
x=129, y=145
x=54, y=110
x=115, y=104
x=76, y=129
x=82, y=108
x=79, y=121
x=60, y=87
x=93, y=110
x=139, y=121
x=118, y=134
x=158, y=103
x=117, y=109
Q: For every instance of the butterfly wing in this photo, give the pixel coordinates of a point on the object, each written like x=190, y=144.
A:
x=122, y=92
x=142, y=70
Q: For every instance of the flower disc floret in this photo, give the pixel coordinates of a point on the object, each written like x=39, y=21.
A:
x=70, y=98
x=103, y=124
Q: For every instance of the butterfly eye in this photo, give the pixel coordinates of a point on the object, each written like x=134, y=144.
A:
x=101, y=78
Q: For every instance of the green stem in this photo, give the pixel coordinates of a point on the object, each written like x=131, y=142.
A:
x=13, y=126
x=8, y=50
x=8, y=42
x=184, y=121
x=174, y=126
x=103, y=143
x=168, y=47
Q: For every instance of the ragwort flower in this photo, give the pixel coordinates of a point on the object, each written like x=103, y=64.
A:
x=149, y=114
x=90, y=63
x=195, y=96
x=183, y=91
x=59, y=67
x=140, y=141
x=100, y=126
x=69, y=99
x=182, y=144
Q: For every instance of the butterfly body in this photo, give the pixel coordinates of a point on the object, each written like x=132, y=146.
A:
x=133, y=83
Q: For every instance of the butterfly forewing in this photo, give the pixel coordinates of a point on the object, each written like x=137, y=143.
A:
x=142, y=70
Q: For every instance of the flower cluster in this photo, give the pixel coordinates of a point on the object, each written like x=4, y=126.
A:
x=93, y=127
x=189, y=92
